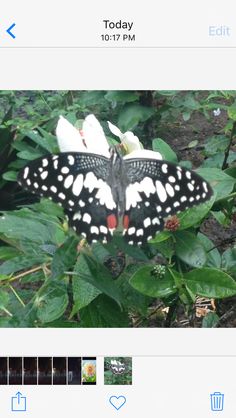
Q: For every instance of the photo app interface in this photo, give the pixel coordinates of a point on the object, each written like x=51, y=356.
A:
x=117, y=211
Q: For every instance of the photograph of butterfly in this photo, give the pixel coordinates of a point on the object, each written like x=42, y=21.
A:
x=117, y=208
x=118, y=370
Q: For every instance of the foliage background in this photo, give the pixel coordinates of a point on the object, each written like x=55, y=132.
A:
x=184, y=277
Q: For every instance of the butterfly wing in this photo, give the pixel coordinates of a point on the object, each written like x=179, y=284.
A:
x=158, y=189
x=78, y=182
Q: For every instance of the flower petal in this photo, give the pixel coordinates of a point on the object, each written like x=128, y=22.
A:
x=144, y=153
x=68, y=137
x=94, y=136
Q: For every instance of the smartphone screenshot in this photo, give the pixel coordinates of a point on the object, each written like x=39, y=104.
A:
x=117, y=209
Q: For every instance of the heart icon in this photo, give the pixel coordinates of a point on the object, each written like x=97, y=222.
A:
x=117, y=401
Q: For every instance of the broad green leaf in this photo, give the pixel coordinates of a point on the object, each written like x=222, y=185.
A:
x=151, y=285
x=161, y=236
x=6, y=253
x=190, y=249
x=210, y=320
x=217, y=143
x=83, y=294
x=217, y=159
x=21, y=263
x=97, y=275
x=4, y=299
x=232, y=112
x=121, y=96
x=51, y=301
x=213, y=255
x=229, y=261
x=10, y=175
x=103, y=313
x=221, y=183
x=165, y=150
x=221, y=218
x=29, y=155
x=35, y=227
x=132, y=114
x=47, y=143
x=49, y=207
x=64, y=257
x=193, y=216
x=133, y=251
x=210, y=283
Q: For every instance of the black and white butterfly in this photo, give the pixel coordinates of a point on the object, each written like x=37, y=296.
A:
x=117, y=367
x=97, y=191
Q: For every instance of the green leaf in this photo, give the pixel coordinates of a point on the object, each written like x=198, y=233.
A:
x=193, y=144
x=217, y=159
x=161, y=236
x=132, y=114
x=216, y=143
x=83, y=294
x=49, y=207
x=221, y=218
x=213, y=255
x=95, y=273
x=47, y=142
x=165, y=150
x=21, y=263
x=152, y=286
x=7, y=253
x=35, y=227
x=221, y=183
x=130, y=250
x=51, y=301
x=4, y=299
x=229, y=261
x=64, y=257
x=190, y=249
x=121, y=96
x=232, y=112
x=103, y=313
x=210, y=320
x=193, y=216
x=210, y=283
x=10, y=175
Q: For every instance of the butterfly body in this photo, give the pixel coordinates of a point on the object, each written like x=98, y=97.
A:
x=96, y=192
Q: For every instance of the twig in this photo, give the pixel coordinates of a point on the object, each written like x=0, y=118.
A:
x=233, y=132
x=33, y=270
x=17, y=296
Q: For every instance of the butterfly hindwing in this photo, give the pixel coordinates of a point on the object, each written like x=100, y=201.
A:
x=157, y=190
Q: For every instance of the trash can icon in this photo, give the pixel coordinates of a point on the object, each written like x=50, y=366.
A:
x=217, y=401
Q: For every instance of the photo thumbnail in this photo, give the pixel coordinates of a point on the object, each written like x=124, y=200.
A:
x=118, y=371
x=117, y=209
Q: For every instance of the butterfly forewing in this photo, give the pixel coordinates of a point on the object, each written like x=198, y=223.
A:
x=157, y=190
x=77, y=181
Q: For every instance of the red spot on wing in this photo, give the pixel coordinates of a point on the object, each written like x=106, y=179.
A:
x=126, y=222
x=112, y=221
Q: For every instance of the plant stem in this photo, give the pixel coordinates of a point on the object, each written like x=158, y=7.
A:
x=17, y=296
x=233, y=132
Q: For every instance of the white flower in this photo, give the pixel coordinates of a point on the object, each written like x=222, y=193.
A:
x=133, y=145
x=217, y=112
x=90, y=139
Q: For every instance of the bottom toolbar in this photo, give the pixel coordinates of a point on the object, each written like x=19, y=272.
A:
x=133, y=386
